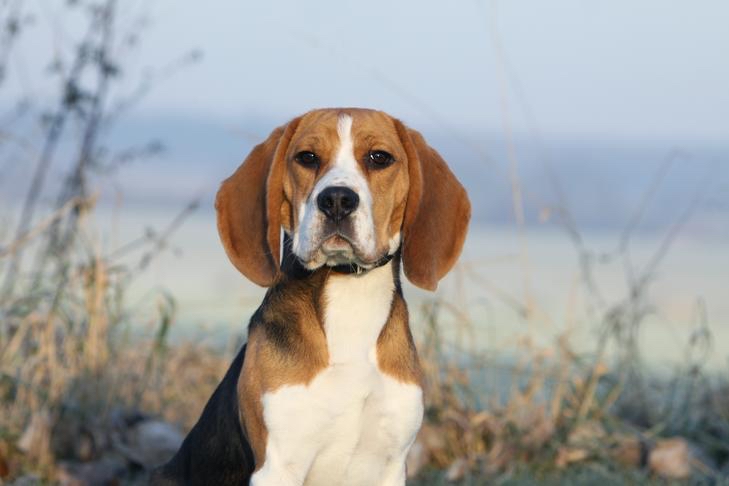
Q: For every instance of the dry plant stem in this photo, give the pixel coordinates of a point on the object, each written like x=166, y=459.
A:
x=95, y=349
x=49, y=341
x=11, y=29
x=511, y=301
x=77, y=183
x=562, y=377
x=38, y=230
x=53, y=136
x=516, y=189
x=630, y=228
x=589, y=394
x=31, y=200
x=158, y=243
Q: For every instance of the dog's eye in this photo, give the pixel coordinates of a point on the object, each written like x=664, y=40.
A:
x=307, y=159
x=379, y=159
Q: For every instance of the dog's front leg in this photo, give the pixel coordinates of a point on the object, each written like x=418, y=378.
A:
x=277, y=471
x=394, y=474
x=289, y=450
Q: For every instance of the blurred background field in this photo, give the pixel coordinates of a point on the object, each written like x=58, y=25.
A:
x=584, y=335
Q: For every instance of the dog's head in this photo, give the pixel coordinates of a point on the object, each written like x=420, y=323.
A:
x=349, y=186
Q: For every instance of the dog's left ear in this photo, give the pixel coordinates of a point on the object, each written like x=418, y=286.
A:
x=437, y=213
x=248, y=205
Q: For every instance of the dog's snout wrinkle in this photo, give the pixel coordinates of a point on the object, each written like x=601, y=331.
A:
x=337, y=202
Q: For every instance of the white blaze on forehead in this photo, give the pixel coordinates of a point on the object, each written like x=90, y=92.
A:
x=345, y=171
x=344, y=131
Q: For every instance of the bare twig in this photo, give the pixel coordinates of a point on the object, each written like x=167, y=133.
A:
x=38, y=229
x=52, y=138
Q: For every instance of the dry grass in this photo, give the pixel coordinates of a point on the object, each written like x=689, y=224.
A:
x=72, y=357
x=561, y=413
x=550, y=410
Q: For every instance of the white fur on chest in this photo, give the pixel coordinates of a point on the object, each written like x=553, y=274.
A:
x=352, y=425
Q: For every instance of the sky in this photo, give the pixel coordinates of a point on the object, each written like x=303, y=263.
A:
x=618, y=69
x=605, y=90
x=622, y=69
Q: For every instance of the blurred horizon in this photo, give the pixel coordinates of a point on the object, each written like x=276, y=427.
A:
x=197, y=154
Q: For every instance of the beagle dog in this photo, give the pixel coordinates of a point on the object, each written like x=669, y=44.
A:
x=328, y=389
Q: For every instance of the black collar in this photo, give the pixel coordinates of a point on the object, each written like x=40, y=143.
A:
x=348, y=268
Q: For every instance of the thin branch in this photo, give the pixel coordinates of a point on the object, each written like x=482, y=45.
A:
x=31, y=234
x=53, y=135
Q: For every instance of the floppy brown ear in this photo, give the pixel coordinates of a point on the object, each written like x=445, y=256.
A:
x=248, y=206
x=436, y=214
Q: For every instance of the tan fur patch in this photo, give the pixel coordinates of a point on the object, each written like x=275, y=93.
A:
x=286, y=346
x=396, y=353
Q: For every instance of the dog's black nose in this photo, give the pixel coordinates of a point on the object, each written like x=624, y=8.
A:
x=337, y=202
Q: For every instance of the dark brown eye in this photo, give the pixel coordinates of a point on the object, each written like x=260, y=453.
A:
x=307, y=159
x=379, y=159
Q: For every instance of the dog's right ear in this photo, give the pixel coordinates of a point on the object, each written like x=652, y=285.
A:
x=248, y=206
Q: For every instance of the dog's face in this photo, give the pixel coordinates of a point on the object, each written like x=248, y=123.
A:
x=345, y=186
x=349, y=186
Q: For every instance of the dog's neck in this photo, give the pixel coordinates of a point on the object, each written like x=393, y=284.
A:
x=352, y=308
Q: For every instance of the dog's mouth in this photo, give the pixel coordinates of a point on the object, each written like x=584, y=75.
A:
x=338, y=248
